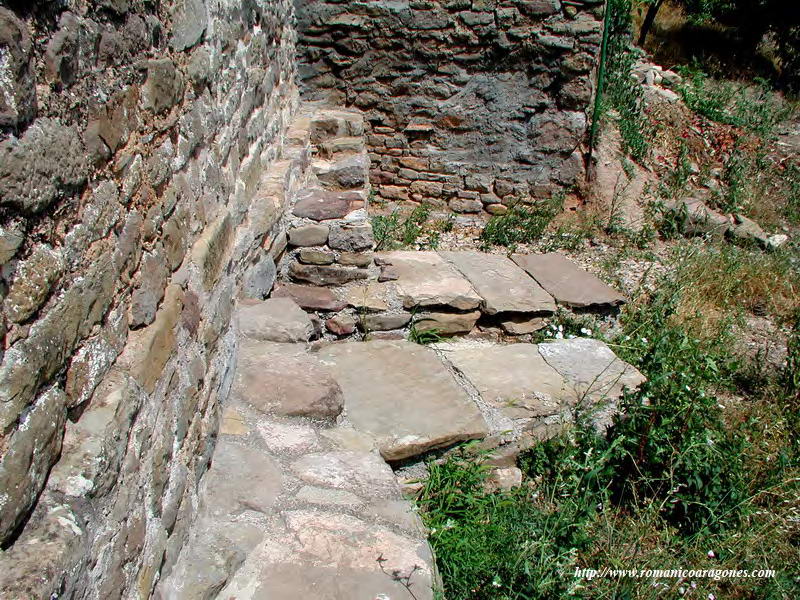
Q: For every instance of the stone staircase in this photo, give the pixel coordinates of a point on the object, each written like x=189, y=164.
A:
x=332, y=411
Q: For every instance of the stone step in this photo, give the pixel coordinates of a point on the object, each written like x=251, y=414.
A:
x=293, y=504
x=569, y=284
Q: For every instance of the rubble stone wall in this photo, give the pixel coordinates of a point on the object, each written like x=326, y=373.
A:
x=473, y=103
x=142, y=182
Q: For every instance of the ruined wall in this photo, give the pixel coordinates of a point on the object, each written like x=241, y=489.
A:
x=141, y=186
x=471, y=102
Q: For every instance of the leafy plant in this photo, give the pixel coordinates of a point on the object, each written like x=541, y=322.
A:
x=522, y=224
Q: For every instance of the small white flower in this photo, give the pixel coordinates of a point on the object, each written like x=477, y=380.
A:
x=712, y=597
x=681, y=590
x=711, y=552
x=559, y=336
x=644, y=340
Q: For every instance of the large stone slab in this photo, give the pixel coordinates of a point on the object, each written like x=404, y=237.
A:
x=503, y=286
x=330, y=556
x=567, y=283
x=592, y=371
x=282, y=379
x=514, y=378
x=401, y=394
x=426, y=279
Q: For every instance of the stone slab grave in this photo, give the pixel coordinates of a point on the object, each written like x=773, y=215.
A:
x=570, y=285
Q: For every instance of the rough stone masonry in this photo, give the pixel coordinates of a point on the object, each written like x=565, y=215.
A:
x=146, y=162
x=473, y=104
x=142, y=176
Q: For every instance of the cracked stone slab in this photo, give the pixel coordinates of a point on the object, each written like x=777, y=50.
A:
x=503, y=286
x=514, y=378
x=591, y=369
x=330, y=556
x=401, y=394
x=567, y=283
x=426, y=279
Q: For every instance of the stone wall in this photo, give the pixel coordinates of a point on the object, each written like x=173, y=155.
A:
x=474, y=103
x=143, y=173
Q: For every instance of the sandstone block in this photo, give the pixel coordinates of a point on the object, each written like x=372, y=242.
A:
x=310, y=298
x=321, y=205
x=275, y=320
x=447, y=323
x=351, y=238
x=309, y=235
x=385, y=321
x=325, y=274
x=48, y=162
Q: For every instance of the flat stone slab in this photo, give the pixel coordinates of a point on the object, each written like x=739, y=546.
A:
x=503, y=286
x=426, y=279
x=514, y=378
x=592, y=371
x=567, y=283
x=274, y=320
x=309, y=297
x=401, y=394
x=321, y=205
x=282, y=379
x=332, y=556
x=369, y=296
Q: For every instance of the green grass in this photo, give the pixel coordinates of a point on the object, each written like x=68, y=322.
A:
x=754, y=108
x=522, y=224
x=402, y=229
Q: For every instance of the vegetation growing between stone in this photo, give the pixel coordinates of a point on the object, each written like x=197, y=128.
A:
x=680, y=481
